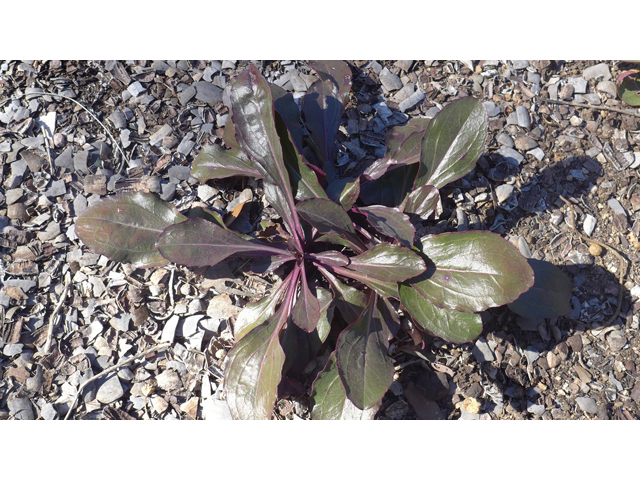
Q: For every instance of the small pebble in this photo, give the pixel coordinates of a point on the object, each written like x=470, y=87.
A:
x=616, y=340
x=503, y=192
x=589, y=224
x=588, y=405
x=595, y=250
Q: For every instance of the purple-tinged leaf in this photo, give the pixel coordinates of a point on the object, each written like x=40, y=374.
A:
x=422, y=201
x=255, y=313
x=378, y=168
x=216, y=162
x=344, y=191
x=549, y=296
x=198, y=243
x=255, y=130
x=321, y=109
x=390, y=222
x=364, y=366
x=381, y=287
x=329, y=399
x=390, y=263
x=336, y=70
x=628, y=85
x=325, y=297
x=390, y=316
x=328, y=218
x=450, y=325
x=331, y=258
x=306, y=310
x=229, y=135
x=125, y=227
x=336, y=239
x=471, y=271
x=453, y=142
x=269, y=264
x=349, y=301
x=404, y=143
x=254, y=370
x=288, y=110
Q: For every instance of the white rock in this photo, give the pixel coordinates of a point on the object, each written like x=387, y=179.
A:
x=598, y=72
x=503, y=192
x=110, y=391
x=589, y=224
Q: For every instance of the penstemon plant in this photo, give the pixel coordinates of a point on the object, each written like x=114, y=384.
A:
x=351, y=264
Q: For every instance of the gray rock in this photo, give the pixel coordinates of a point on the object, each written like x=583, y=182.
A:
x=579, y=84
x=135, y=89
x=186, y=145
x=492, y=108
x=169, y=380
x=531, y=353
x=375, y=66
x=168, y=191
x=617, y=208
x=160, y=66
x=415, y=98
x=228, y=64
x=588, y=405
x=66, y=160
x=577, y=174
x=592, y=98
x=482, y=351
x=56, y=189
x=118, y=119
x=520, y=64
x=566, y=92
x=589, y=224
x=533, y=78
x=178, y=173
x=25, y=285
x=51, y=232
x=19, y=167
x=187, y=94
x=524, y=120
x=21, y=408
x=503, y=192
x=48, y=412
x=188, y=326
x=505, y=139
x=390, y=81
x=616, y=340
x=404, y=64
x=607, y=87
x=158, y=136
x=525, y=143
x=208, y=92
x=169, y=330
x=535, y=409
x=597, y=72
x=405, y=92
x=79, y=204
x=110, y=391
x=510, y=155
x=124, y=137
x=12, y=349
x=14, y=195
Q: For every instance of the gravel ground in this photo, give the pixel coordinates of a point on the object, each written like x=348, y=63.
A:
x=561, y=146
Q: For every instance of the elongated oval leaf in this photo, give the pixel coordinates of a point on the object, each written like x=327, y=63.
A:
x=454, y=140
x=306, y=311
x=390, y=222
x=391, y=263
x=450, y=325
x=325, y=297
x=321, y=110
x=350, y=301
x=365, y=368
x=326, y=216
x=255, y=313
x=198, y=243
x=404, y=143
x=331, y=258
x=288, y=110
x=344, y=191
x=214, y=161
x=125, y=227
x=329, y=399
x=549, y=296
x=422, y=201
x=471, y=271
x=384, y=288
x=254, y=371
x=336, y=70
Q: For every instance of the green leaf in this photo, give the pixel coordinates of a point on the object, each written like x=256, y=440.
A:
x=306, y=310
x=365, y=368
x=254, y=370
x=336, y=70
x=328, y=218
x=214, y=162
x=125, y=227
x=454, y=140
x=229, y=135
x=404, y=143
x=450, y=325
x=471, y=271
x=197, y=243
x=422, y=201
x=391, y=263
x=255, y=313
x=629, y=87
x=390, y=222
x=350, y=301
x=549, y=296
x=329, y=399
x=325, y=297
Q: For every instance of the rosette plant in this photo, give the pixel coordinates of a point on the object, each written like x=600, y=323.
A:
x=346, y=246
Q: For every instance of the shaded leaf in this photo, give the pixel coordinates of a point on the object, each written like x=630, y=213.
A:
x=450, y=325
x=390, y=222
x=214, y=162
x=336, y=70
x=325, y=297
x=365, y=368
x=454, y=140
x=331, y=258
x=337, y=239
x=288, y=110
x=321, y=110
x=125, y=227
x=197, y=243
x=471, y=271
x=344, y=191
x=328, y=218
x=330, y=400
x=422, y=201
x=306, y=310
x=404, y=143
x=349, y=301
x=548, y=297
x=229, y=135
x=254, y=370
x=383, y=288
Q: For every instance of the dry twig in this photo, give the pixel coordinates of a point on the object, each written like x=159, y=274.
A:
x=54, y=317
x=111, y=369
x=586, y=105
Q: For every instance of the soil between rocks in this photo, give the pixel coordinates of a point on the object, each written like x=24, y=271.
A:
x=56, y=159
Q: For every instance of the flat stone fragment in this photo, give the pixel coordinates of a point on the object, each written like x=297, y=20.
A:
x=535, y=409
x=389, y=80
x=482, y=352
x=520, y=64
x=415, y=98
x=214, y=409
x=524, y=120
x=136, y=88
x=588, y=405
x=208, y=92
x=118, y=119
x=111, y=390
x=21, y=409
x=607, y=87
x=169, y=380
x=48, y=412
x=405, y=92
x=511, y=155
x=598, y=72
x=12, y=349
x=503, y=192
x=505, y=139
x=158, y=136
x=404, y=64
x=169, y=330
x=589, y=224
x=616, y=340
x=592, y=98
x=56, y=189
x=493, y=110
x=579, y=84
x=531, y=353
x=187, y=94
